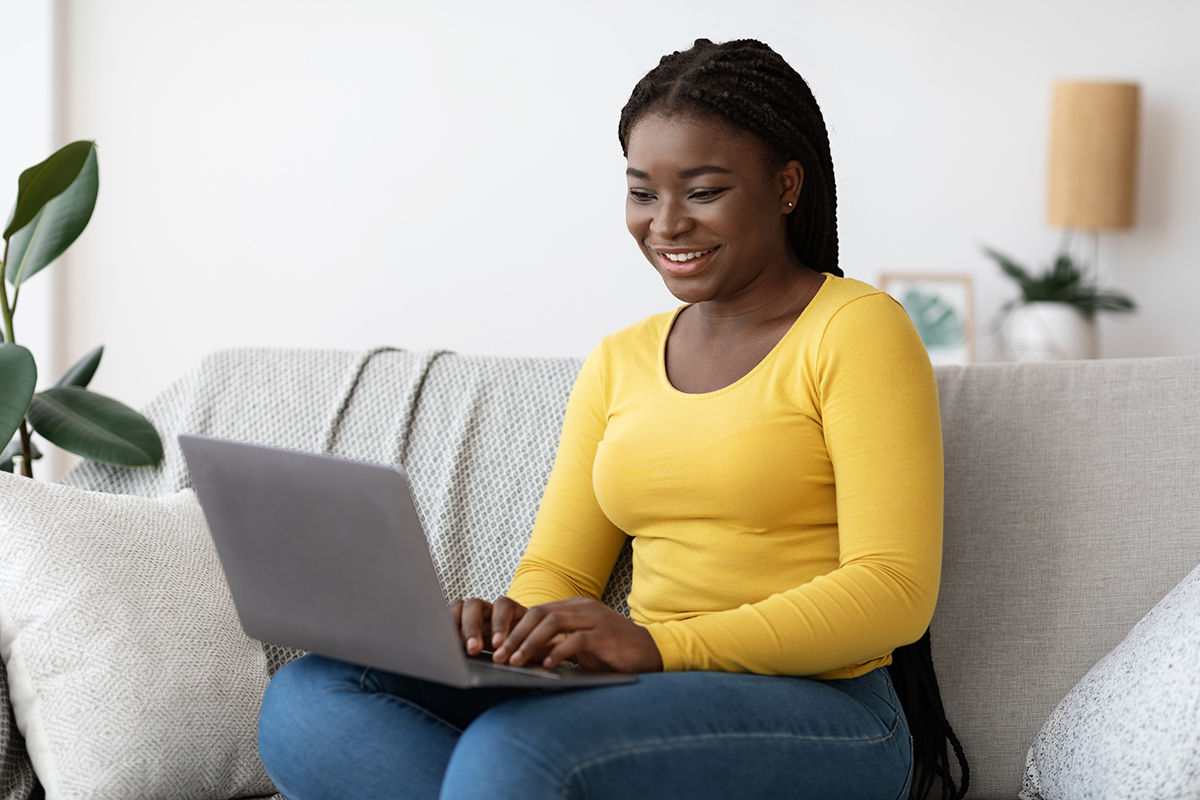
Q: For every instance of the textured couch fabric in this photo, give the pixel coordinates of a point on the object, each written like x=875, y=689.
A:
x=1072, y=507
x=1071, y=498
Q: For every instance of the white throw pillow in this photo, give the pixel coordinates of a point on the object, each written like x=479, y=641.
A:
x=1131, y=727
x=129, y=673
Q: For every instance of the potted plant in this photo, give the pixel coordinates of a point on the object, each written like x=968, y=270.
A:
x=1055, y=316
x=54, y=203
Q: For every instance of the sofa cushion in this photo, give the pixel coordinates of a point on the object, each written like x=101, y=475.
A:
x=129, y=673
x=1131, y=727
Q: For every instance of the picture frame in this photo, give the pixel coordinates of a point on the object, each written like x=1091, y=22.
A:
x=942, y=307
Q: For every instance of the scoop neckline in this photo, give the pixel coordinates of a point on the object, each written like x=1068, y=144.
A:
x=770, y=356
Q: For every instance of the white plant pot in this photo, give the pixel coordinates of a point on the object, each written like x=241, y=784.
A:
x=1050, y=332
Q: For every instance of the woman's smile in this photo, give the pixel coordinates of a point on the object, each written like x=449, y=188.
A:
x=685, y=263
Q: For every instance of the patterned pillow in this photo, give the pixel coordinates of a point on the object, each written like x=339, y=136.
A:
x=129, y=673
x=1131, y=727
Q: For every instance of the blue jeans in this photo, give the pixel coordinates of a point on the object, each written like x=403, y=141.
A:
x=329, y=729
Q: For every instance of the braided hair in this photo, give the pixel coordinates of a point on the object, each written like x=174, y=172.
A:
x=751, y=87
x=917, y=687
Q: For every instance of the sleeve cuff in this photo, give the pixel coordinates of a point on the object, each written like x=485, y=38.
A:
x=668, y=647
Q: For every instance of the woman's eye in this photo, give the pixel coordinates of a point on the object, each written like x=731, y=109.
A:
x=705, y=194
x=640, y=195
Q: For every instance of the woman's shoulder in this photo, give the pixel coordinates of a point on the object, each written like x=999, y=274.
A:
x=837, y=292
x=631, y=351
x=861, y=322
x=643, y=336
x=850, y=302
x=630, y=354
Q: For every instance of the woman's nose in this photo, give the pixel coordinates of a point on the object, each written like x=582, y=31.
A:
x=670, y=220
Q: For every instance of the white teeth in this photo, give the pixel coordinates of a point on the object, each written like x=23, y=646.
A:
x=687, y=256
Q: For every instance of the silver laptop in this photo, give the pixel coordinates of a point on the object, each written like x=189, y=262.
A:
x=328, y=555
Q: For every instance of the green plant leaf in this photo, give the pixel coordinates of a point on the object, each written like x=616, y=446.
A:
x=18, y=378
x=81, y=374
x=1062, y=282
x=1112, y=301
x=1010, y=267
x=95, y=426
x=14, y=447
x=59, y=218
x=1065, y=272
x=42, y=182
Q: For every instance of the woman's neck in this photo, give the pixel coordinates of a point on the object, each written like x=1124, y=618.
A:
x=771, y=300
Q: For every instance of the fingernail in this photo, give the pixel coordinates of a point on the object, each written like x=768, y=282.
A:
x=497, y=639
x=472, y=642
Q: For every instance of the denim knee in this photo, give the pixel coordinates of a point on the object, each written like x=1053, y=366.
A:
x=330, y=730
x=290, y=694
x=489, y=754
x=293, y=716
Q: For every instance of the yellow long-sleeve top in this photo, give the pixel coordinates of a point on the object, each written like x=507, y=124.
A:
x=787, y=524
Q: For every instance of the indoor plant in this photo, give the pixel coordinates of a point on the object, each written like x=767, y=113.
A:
x=54, y=203
x=1054, y=318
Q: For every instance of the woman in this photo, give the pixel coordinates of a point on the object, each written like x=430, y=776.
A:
x=773, y=447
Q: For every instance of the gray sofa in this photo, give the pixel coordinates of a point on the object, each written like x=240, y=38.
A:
x=1071, y=499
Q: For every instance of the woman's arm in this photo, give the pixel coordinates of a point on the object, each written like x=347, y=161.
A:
x=552, y=612
x=573, y=546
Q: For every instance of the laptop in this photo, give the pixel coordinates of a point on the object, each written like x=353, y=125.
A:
x=329, y=555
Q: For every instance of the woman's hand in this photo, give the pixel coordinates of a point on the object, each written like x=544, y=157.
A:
x=581, y=630
x=480, y=622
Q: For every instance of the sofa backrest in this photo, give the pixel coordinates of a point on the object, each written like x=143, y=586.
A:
x=1071, y=497
x=1072, y=507
x=477, y=436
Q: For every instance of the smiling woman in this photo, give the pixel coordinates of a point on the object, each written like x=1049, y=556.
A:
x=773, y=448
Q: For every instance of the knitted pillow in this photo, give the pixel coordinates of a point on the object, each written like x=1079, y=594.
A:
x=1131, y=727
x=129, y=673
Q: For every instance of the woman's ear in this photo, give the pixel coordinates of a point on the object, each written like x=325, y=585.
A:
x=791, y=179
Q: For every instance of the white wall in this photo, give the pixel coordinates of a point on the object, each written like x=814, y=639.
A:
x=352, y=173
x=27, y=137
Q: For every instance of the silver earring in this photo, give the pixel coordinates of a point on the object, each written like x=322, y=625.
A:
x=790, y=204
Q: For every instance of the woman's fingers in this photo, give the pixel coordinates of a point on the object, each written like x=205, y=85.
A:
x=477, y=619
x=474, y=617
x=567, y=648
x=506, y=612
x=538, y=637
x=578, y=629
x=583, y=630
x=518, y=638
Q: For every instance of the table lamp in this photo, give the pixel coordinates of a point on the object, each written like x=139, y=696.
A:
x=1093, y=155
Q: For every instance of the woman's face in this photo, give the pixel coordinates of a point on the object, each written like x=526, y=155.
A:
x=704, y=208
